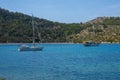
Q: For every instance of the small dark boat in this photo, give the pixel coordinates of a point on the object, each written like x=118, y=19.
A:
x=90, y=43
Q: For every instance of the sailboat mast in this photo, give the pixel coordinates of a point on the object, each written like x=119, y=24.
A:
x=33, y=31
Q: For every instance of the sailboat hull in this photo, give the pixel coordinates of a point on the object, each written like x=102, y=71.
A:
x=30, y=49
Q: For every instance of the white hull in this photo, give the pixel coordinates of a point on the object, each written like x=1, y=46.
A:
x=30, y=49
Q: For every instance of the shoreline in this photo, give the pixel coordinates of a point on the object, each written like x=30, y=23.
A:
x=55, y=43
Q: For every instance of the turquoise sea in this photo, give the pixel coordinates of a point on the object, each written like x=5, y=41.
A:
x=61, y=62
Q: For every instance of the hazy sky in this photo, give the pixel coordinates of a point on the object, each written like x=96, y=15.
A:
x=67, y=11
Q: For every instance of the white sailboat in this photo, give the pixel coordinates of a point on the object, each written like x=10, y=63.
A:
x=31, y=48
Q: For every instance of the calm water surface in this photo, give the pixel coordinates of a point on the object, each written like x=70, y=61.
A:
x=61, y=62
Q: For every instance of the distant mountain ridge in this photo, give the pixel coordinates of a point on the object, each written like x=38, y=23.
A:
x=107, y=29
x=16, y=28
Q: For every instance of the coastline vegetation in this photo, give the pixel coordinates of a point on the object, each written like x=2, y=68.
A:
x=16, y=27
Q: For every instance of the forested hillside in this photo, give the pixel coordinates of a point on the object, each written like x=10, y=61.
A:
x=16, y=27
